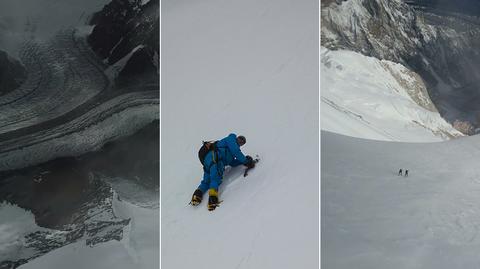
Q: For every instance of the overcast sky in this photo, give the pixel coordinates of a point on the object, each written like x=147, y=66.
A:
x=40, y=18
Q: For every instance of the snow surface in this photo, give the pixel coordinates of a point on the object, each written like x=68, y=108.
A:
x=372, y=218
x=364, y=97
x=139, y=247
x=248, y=67
x=15, y=224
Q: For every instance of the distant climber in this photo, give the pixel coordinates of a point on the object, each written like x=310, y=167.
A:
x=214, y=156
x=400, y=172
x=406, y=173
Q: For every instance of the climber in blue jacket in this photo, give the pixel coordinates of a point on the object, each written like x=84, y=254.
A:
x=215, y=156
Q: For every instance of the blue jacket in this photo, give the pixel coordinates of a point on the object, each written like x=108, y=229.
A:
x=229, y=152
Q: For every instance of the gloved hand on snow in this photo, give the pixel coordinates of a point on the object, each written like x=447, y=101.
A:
x=250, y=163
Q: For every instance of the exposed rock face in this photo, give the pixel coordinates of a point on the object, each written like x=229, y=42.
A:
x=12, y=73
x=73, y=199
x=68, y=204
x=382, y=29
x=439, y=46
x=127, y=31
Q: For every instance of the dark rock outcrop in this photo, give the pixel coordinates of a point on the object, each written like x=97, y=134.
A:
x=12, y=73
x=468, y=7
x=128, y=31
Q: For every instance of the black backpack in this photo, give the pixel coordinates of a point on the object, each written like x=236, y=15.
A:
x=206, y=147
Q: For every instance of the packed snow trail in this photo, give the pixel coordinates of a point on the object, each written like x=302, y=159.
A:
x=251, y=68
x=373, y=218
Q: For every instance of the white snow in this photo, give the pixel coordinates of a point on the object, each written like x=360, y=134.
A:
x=15, y=224
x=364, y=97
x=372, y=218
x=248, y=67
x=139, y=247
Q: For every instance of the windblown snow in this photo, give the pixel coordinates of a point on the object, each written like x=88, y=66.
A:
x=248, y=67
x=368, y=98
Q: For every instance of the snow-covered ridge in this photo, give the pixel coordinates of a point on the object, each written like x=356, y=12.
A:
x=441, y=48
x=109, y=225
x=138, y=247
x=364, y=97
x=92, y=222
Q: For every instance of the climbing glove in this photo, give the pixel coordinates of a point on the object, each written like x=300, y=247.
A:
x=250, y=163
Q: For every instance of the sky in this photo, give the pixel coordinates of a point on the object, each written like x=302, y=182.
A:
x=40, y=19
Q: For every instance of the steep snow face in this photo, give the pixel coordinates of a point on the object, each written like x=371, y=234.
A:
x=372, y=218
x=248, y=67
x=364, y=97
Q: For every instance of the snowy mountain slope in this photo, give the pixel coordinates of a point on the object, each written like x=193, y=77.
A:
x=89, y=202
x=138, y=247
x=364, y=97
x=439, y=46
x=372, y=218
x=247, y=67
x=68, y=107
